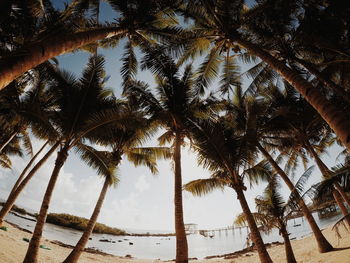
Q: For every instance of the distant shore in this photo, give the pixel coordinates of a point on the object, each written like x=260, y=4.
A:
x=13, y=249
x=79, y=223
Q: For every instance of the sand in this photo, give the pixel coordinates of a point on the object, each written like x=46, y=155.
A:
x=13, y=249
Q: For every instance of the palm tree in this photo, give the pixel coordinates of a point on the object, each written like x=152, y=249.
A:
x=35, y=109
x=305, y=133
x=106, y=163
x=258, y=120
x=272, y=212
x=139, y=21
x=84, y=105
x=227, y=155
x=122, y=141
x=174, y=101
x=231, y=22
x=324, y=190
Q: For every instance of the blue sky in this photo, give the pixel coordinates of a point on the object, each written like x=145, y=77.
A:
x=140, y=200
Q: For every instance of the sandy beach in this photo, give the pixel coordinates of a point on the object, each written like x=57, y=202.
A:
x=13, y=249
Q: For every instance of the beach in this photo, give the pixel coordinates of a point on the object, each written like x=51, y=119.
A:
x=13, y=249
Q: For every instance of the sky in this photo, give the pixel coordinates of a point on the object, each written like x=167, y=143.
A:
x=141, y=200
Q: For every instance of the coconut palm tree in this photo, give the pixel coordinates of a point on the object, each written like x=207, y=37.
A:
x=227, y=155
x=174, y=101
x=306, y=132
x=324, y=190
x=258, y=120
x=35, y=108
x=121, y=141
x=138, y=21
x=84, y=105
x=272, y=212
x=228, y=24
x=106, y=164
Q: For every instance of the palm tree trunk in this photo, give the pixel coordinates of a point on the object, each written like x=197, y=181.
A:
x=73, y=257
x=326, y=174
x=39, y=52
x=21, y=176
x=181, y=239
x=256, y=237
x=341, y=205
x=287, y=245
x=322, y=243
x=320, y=164
x=33, y=248
x=13, y=197
x=342, y=193
x=13, y=134
x=327, y=82
x=331, y=113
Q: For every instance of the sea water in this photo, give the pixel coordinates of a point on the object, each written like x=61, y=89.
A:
x=223, y=242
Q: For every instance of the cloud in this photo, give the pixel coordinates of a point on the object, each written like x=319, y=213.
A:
x=142, y=184
x=73, y=193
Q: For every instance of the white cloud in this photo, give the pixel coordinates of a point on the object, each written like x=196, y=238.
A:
x=142, y=184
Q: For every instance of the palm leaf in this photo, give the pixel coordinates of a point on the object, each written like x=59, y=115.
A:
x=202, y=187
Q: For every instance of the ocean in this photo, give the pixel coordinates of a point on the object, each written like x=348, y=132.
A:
x=223, y=242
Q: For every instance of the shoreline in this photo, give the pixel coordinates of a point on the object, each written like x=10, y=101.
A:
x=305, y=249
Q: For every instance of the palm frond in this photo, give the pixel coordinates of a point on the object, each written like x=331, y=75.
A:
x=104, y=162
x=260, y=172
x=208, y=70
x=129, y=62
x=202, y=187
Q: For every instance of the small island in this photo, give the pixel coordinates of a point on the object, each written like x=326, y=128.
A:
x=80, y=223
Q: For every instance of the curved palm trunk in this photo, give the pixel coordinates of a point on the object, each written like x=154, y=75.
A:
x=8, y=141
x=73, y=257
x=331, y=113
x=263, y=255
x=341, y=205
x=181, y=239
x=33, y=248
x=21, y=176
x=13, y=196
x=322, y=243
x=287, y=245
x=326, y=174
x=327, y=82
x=39, y=52
x=342, y=193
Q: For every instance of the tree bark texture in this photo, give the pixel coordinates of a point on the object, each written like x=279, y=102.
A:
x=34, y=244
x=288, y=246
x=181, y=239
x=322, y=243
x=341, y=205
x=39, y=52
x=256, y=237
x=13, y=197
x=7, y=141
x=73, y=257
x=21, y=176
x=331, y=113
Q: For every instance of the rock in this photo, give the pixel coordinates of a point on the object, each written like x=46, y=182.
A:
x=105, y=240
x=130, y=243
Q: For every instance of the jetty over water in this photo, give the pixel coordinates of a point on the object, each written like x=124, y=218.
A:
x=223, y=230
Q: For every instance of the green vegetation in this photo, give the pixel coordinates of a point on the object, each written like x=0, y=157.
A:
x=17, y=209
x=80, y=223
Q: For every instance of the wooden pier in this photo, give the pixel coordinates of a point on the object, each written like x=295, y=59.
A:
x=218, y=231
